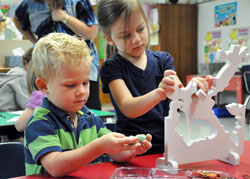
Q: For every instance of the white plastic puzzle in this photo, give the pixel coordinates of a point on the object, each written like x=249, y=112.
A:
x=219, y=145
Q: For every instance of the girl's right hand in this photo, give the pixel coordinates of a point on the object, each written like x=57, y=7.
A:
x=115, y=143
x=167, y=84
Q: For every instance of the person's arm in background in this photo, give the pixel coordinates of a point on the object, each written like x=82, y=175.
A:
x=28, y=34
x=77, y=26
x=21, y=122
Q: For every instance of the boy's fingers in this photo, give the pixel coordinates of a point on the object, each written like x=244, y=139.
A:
x=128, y=141
x=147, y=144
x=149, y=137
x=118, y=135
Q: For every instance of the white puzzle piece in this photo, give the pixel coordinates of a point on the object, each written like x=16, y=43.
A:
x=218, y=145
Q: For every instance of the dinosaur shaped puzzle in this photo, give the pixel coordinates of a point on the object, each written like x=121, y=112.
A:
x=218, y=145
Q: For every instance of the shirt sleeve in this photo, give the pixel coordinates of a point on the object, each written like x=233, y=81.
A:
x=110, y=70
x=86, y=13
x=166, y=61
x=35, y=99
x=23, y=15
x=41, y=136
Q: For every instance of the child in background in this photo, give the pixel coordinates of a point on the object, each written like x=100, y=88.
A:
x=14, y=96
x=137, y=79
x=35, y=99
x=63, y=135
x=13, y=88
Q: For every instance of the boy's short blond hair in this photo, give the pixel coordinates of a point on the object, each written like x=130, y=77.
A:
x=55, y=49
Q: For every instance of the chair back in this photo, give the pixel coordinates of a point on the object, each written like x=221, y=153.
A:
x=246, y=78
x=12, y=160
x=246, y=85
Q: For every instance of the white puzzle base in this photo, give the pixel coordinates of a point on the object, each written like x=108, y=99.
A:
x=218, y=145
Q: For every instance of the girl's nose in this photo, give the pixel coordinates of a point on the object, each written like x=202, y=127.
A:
x=136, y=38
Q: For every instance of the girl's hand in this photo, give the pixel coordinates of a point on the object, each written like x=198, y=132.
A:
x=166, y=86
x=115, y=143
x=203, y=83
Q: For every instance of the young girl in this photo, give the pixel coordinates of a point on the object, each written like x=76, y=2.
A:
x=35, y=99
x=137, y=79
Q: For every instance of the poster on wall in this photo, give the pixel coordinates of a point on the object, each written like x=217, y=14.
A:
x=239, y=36
x=225, y=14
x=212, y=42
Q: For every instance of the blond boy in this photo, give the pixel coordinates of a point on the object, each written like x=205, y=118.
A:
x=63, y=135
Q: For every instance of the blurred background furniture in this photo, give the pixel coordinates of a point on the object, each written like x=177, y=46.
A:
x=246, y=86
x=235, y=84
x=12, y=160
x=178, y=36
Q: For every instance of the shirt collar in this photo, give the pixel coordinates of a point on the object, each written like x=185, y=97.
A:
x=61, y=113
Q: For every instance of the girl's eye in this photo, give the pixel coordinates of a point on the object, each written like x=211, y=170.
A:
x=140, y=29
x=126, y=36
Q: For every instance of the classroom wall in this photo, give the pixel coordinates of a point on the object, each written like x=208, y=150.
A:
x=206, y=23
x=6, y=47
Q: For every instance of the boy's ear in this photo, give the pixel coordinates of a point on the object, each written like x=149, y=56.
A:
x=42, y=85
x=108, y=39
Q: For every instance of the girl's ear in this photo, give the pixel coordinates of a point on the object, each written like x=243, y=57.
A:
x=42, y=85
x=108, y=39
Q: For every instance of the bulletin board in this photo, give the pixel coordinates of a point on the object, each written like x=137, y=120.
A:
x=212, y=42
x=231, y=32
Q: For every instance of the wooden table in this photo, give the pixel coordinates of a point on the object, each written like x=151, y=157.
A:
x=106, y=169
x=4, y=69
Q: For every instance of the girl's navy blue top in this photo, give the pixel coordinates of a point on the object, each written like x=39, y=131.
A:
x=140, y=82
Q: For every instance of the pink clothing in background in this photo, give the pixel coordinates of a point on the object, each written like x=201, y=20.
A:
x=35, y=99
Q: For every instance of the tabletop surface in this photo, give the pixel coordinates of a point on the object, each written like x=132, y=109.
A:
x=106, y=169
x=8, y=118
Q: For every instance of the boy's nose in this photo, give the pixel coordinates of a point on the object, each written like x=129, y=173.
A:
x=81, y=90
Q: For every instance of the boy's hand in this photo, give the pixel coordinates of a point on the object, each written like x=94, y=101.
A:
x=115, y=143
x=145, y=145
x=167, y=84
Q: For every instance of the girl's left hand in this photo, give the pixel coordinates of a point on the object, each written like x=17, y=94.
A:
x=204, y=83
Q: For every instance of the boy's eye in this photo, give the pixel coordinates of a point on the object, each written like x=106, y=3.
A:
x=85, y=83
x=70, y=86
